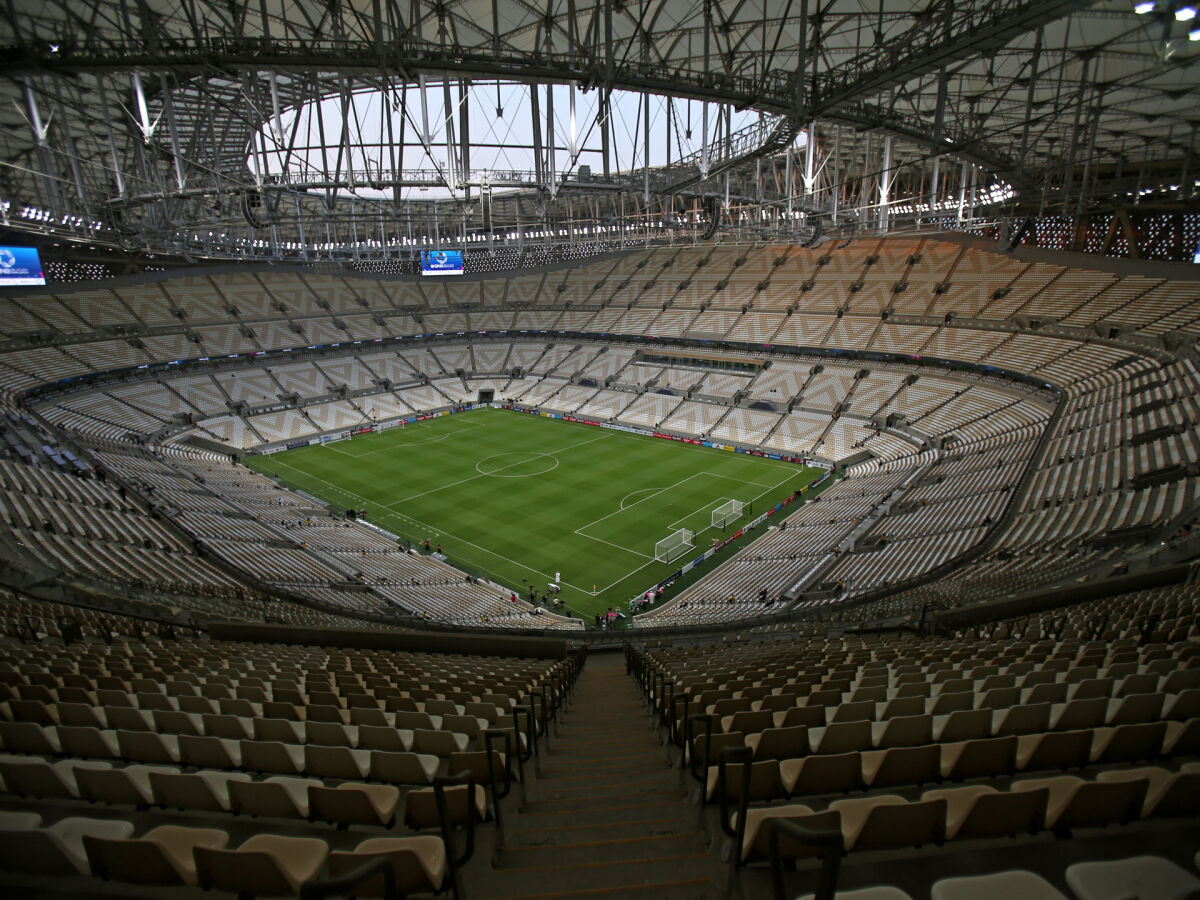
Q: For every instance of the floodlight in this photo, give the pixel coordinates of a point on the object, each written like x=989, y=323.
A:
x=1144, y=7
x=1185, y=14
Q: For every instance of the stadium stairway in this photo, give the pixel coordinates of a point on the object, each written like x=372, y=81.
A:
x=607, y=816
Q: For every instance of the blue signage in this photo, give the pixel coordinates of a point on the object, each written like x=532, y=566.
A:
x=441, y=262
x=20, y=267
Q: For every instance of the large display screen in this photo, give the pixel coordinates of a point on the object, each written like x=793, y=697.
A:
x=20, y=267
x=441, y=262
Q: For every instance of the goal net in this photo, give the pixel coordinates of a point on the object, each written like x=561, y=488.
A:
x=726, y=513
x=673, y=545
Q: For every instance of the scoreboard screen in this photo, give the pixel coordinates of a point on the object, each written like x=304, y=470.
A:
x=20, y=267
x=441, y=262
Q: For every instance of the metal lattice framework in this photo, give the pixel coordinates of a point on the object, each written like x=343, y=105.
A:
x=370, y=129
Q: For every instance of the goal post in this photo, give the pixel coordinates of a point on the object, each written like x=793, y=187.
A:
x=673, y=545
x=726, y=513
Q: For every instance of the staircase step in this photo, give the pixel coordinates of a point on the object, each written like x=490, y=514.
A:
x=616, y=846
x=573, y=878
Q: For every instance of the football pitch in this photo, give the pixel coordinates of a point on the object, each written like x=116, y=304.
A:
x=518, y=498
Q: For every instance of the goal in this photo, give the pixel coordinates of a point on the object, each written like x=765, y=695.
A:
x=726, y=513
x=673, y=545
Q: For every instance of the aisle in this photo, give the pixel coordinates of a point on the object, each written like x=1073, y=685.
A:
x=607, y=816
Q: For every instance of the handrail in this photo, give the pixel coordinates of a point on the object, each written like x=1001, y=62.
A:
x=828, y=840
x=440, y=784
x=339, y=885
x=731, y=755
x=701, y=773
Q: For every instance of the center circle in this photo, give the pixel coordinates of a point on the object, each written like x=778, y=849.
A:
x=512, y=465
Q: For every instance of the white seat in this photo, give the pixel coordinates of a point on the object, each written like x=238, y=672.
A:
x=1000, y=886
x=1144, y=877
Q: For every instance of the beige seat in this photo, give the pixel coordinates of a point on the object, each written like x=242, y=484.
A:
x=1075, y=803
x=235, y=728
x=822, y=774
x=163, y=855
x=998, y=886
x=414, y=720
x=57, y=849
x=439, y=743
x=336, y=762
x=755, y=837
x=331, y=734
x=29, y=737
x=903, y=731
x=148, y=746
x=204, y=790
x=901, y=765
x=278, y=796
x=130, y=785
x=265, y=864
x=1133, y=709
x=91, y=743
x=37, y=778
x=765, y=781
x=273, y=756
x=980, y=811
x=1181, y=739
x=418, y=863
x=403, y=768
x=779, y=743
x=209, y=752
x=963, y=725
x=985, y=757
x=1144, y=877
x=284, y=731
x=842, y=737
x=420, y=806
x=374, y=737
x=1169, y=793
x=886, y=821
x=354, y=804
x=1128, y=743
x=1028, y=719
x=1053, y=750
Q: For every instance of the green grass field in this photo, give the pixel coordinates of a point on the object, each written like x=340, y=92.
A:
x=518, y=498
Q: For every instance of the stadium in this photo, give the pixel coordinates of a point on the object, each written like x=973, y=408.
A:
x=677, y=450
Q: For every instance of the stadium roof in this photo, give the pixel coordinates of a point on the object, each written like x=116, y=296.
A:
x=370, y=129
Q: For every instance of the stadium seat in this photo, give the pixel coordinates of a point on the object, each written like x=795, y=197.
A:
x=163, y=855
x=265, y=864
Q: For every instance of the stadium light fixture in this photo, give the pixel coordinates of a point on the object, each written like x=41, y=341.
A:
x=1185, y=14
x=1146, y=6
x=1194, y=34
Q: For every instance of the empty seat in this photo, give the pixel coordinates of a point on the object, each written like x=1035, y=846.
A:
x=1075, y=803
x=354, y=804
x=1128, y=743
x=273, y=756
x=265, y=864
x=204, y=790
x=998, y=886
x=57, y=849
x=277, y=796
x=822, y=774
x=37, y=778
x=985, y=757
x=418, y=863
x=1054, y=750
x=901, y=765
x=334, y=762
x=1144, y=877
x=130, y=785
x=980, y=811
x=886, y=821
x=403, y=768
x=163, y=855
x=209, y=752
